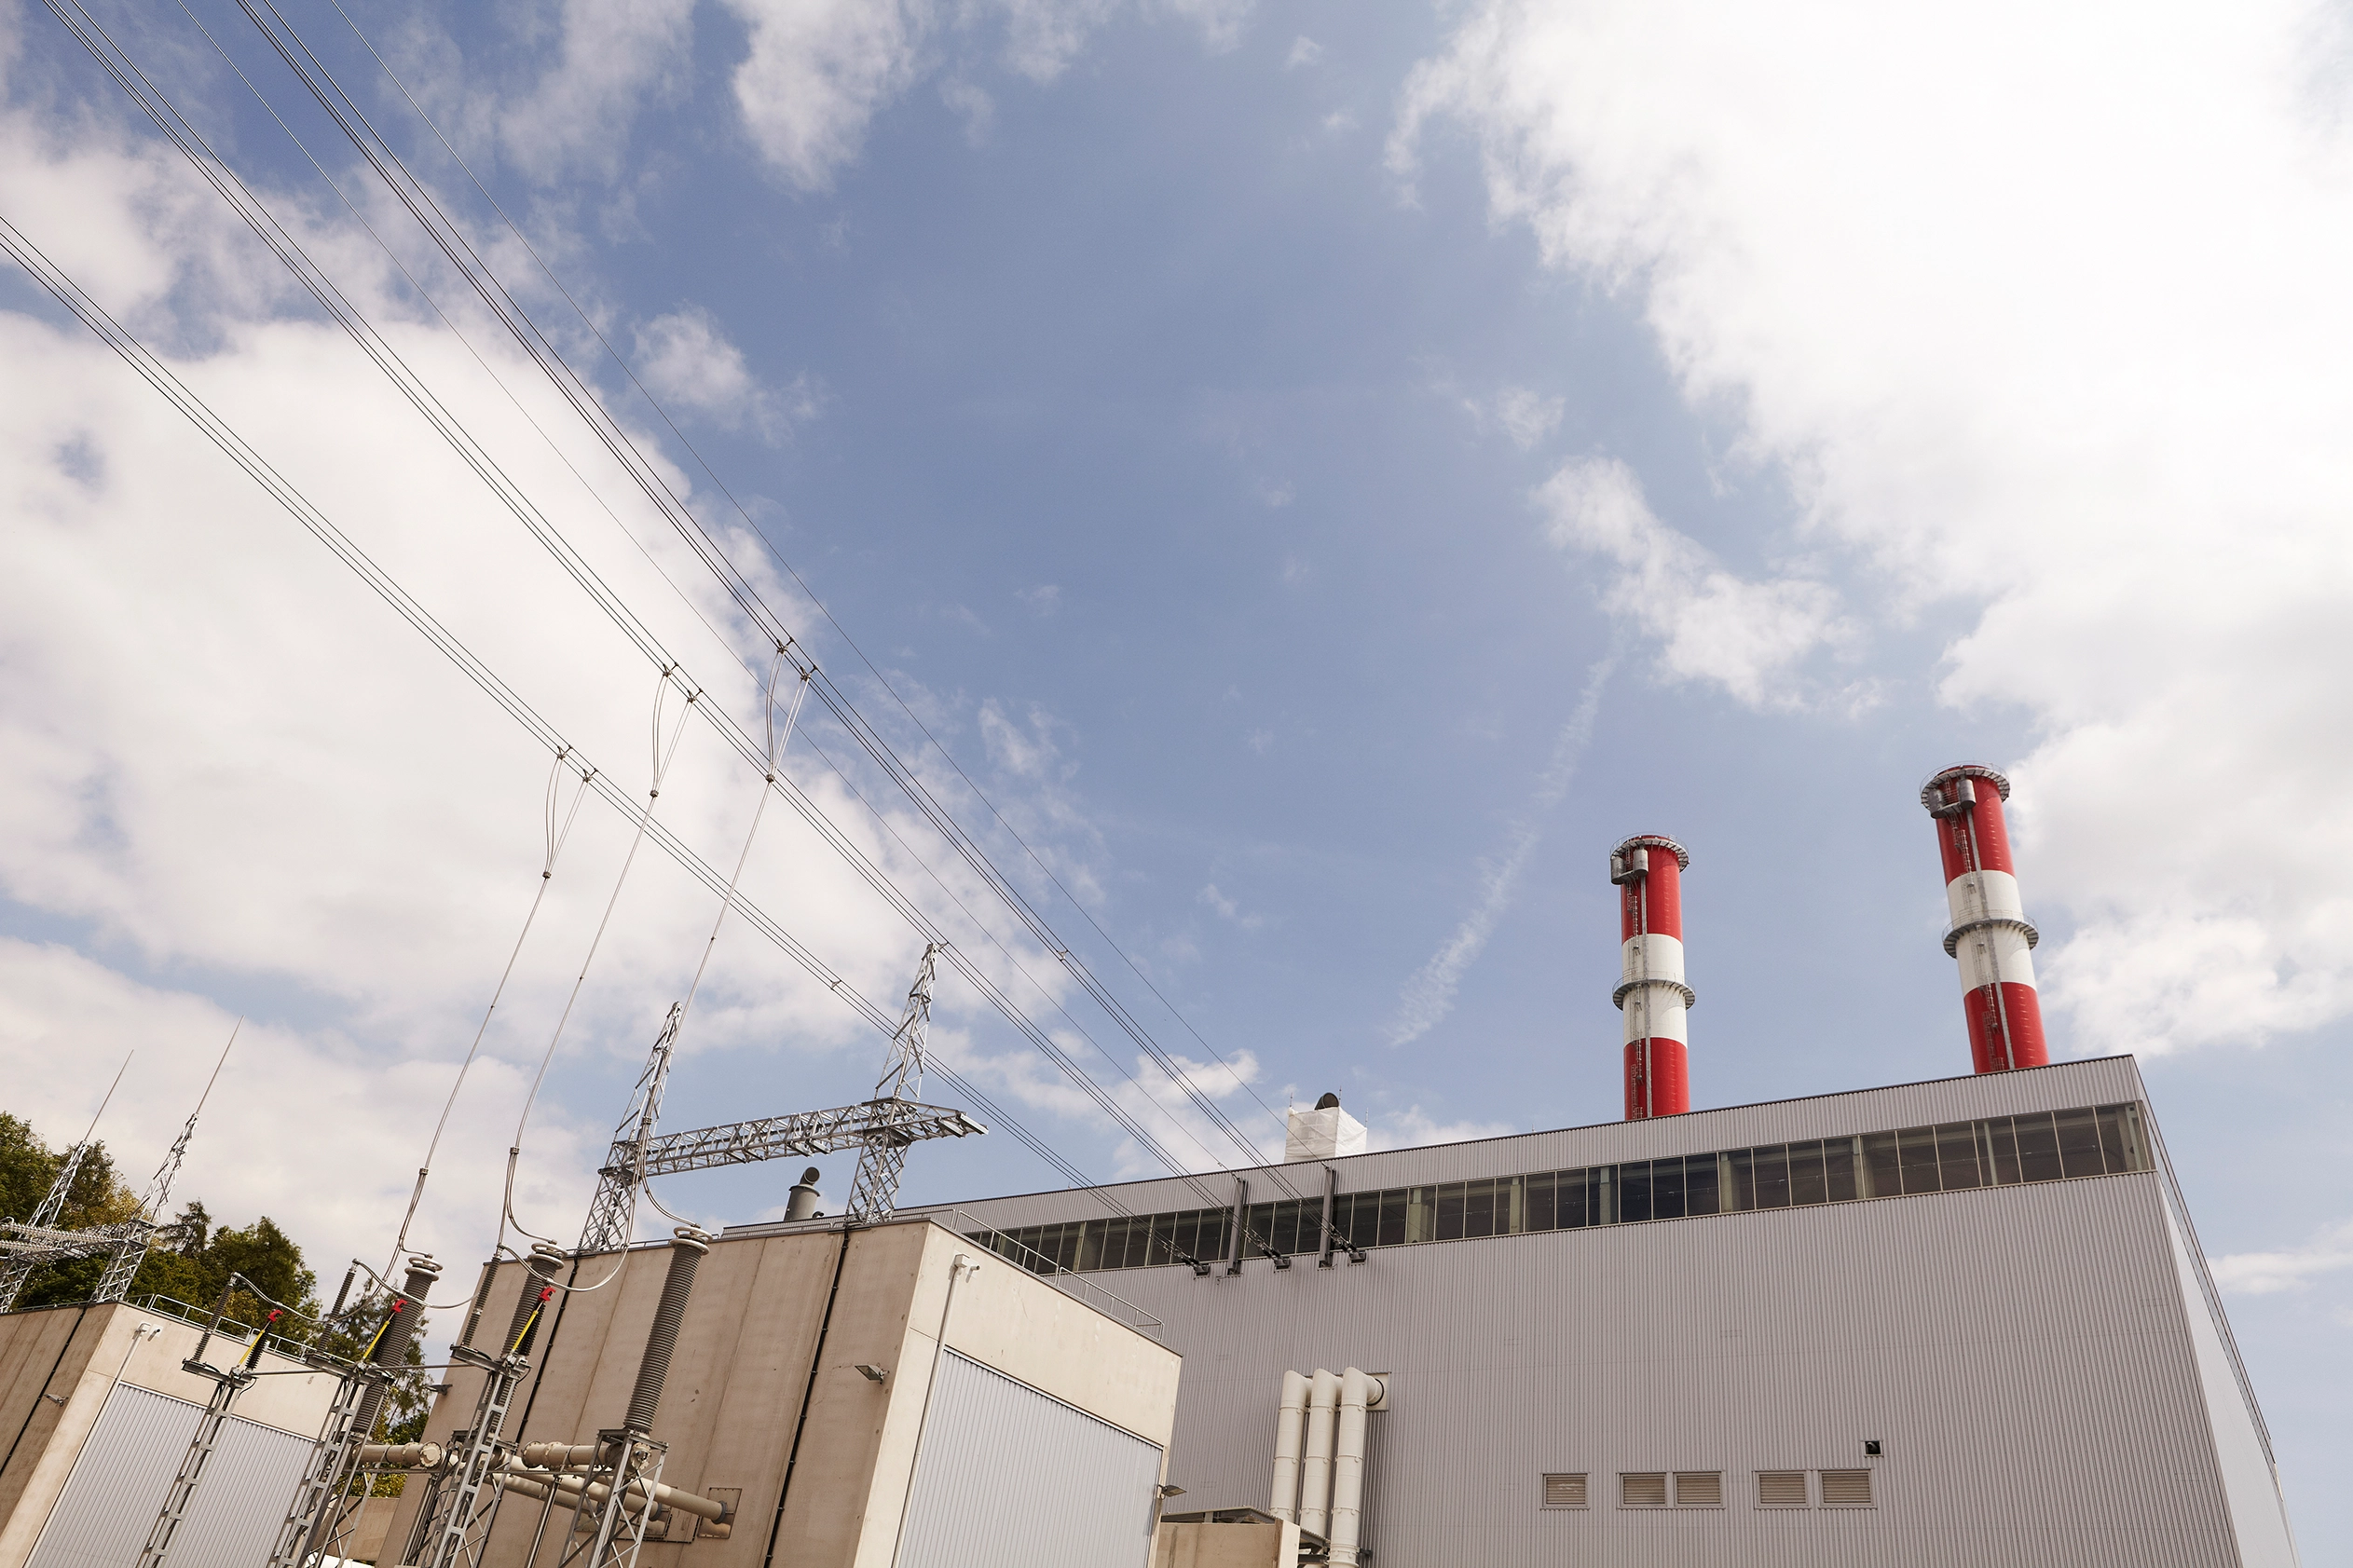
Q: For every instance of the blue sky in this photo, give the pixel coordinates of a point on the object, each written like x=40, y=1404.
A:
x=1328, y=475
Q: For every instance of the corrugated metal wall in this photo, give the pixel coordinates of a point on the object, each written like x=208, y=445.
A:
x=2022, y=1352
x=1009, y=1477
x=110, y=1502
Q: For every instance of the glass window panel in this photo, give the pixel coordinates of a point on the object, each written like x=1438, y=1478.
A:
x=2111, y=1139
x=2001, y=1139
x=1478, y=1208
x=1883, y=1172
x=1773, y=1176
x=2038, y=1148
x=1090, y=1244
x=2136, y=1139
x=1576, y=1199
x=1698, y=1184
x=1420, y=1213
x=2079, y=1142
x=1395, y=1209
x=1838, y=1158
x=1543, y=1210
x=1805, y=1174
x=1157, y=1235
x=1740, y=1186
x=1634, y=1191
x=1449, y=1223
x=1666, y=1189
x=1917, y=1147
x=1957, y=1157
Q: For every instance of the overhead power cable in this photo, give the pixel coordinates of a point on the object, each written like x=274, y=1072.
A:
x=61, y=286
x=321, y=81
x=290, y=252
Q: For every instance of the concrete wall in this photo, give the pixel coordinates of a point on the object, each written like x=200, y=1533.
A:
x=747, y=1357
x=58, y=1364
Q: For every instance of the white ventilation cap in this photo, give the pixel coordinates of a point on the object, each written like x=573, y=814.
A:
x=1323, y=1135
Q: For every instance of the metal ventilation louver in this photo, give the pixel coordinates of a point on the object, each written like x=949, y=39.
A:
x=1850, y=1489
x=1780, y=1488
x=1698, y=1489
x=1563, y=1492
x=1646, y=1490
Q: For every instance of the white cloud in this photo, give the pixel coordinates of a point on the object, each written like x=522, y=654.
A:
x=1413, y=1128
x=2041, y=313
x=233, y=767
x=1526, y=417
x=614, y=54
x=1304, y=51
x=1748, y=638
x=1045, y=598
x=1229, y=910
x=1428, y=996
x=686, y=360
x=2265, y=1273
x=980, y=110
x=817, y=72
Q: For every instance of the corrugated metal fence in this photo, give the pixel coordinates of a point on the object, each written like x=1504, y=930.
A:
x=110, y=1501
x=1010, y=1478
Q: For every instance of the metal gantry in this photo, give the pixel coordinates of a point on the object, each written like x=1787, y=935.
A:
x=324, y=1512
x=880, y=1129
x=454, y=1524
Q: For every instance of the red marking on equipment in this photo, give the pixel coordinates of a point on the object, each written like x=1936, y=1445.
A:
x=2024, y=1010
x=1666, y=1090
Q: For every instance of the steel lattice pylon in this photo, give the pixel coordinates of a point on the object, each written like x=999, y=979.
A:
x=880, y=1129
x=882, y=1155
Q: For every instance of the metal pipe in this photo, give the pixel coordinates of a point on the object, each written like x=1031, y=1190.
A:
x=1652, y=994
x=1315, y=1466
x=402, y=1456
x=1990, y=934
x=567, y=1483
x=1290, y=1416
x=1358, y=1390
x=1331, y=1194
x=1241, y=1224
x=801, y=1202
x=687, y=1247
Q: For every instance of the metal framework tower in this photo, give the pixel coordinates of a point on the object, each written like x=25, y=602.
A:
x=882, y=1157
x=454, y=1524
x=28, y=1243
x=324, y=1511
x=1647, y=870
x=1990, y=934
x=880, y=1129
x=227, y=1383
x=613, y=1213
x=140, y=1231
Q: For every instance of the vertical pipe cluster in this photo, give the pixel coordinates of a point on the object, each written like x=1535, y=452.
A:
x=687, y=1247
x=1990, y=934
x=1319, y=1444
x=1647, y=870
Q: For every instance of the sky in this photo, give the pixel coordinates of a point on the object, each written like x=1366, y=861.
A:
x=1297, y=482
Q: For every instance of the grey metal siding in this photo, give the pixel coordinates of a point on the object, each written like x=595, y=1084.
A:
x=110, y=1501
x=2021, y=1352
x=1010, y=1478
x=2101, y=1081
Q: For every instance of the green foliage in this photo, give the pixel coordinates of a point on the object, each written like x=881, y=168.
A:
x=192, y=1260
x=28, y=1168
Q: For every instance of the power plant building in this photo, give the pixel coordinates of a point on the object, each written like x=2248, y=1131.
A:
x=1962, y=1322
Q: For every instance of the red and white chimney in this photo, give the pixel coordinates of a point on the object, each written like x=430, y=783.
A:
x=1649, y=870
x=1989, y=932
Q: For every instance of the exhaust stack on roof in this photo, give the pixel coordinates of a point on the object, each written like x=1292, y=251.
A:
x=1649, y=870
x=1989, y=932
x=1326, y=1132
